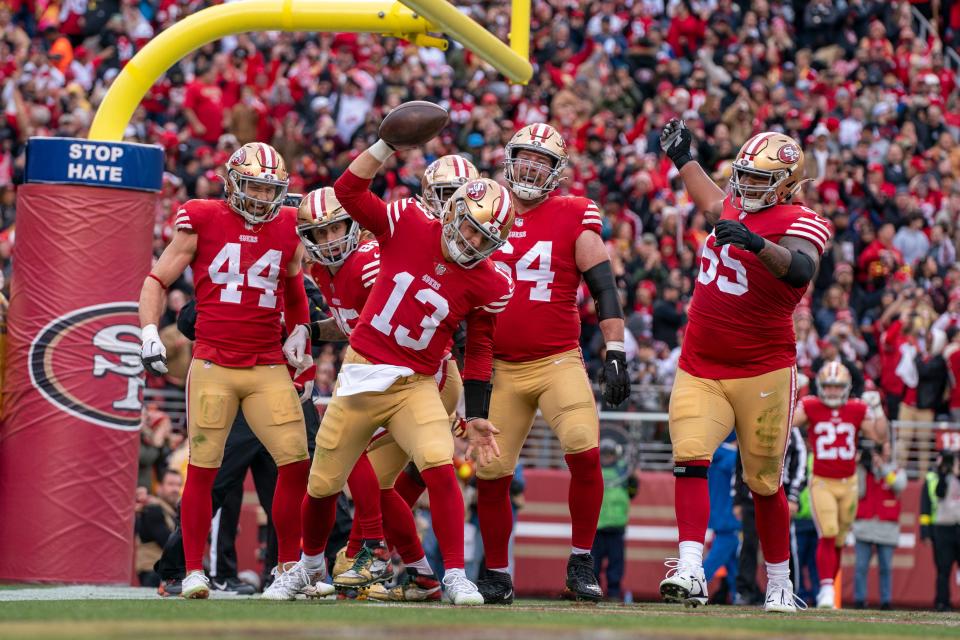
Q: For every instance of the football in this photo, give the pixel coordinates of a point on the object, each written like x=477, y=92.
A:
x=413, y=123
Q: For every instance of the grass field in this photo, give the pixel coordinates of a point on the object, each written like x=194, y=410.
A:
x=527, y=620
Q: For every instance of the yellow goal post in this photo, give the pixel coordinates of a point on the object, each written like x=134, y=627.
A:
x=413, y=20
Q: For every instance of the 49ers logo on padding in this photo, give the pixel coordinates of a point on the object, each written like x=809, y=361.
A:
x=87, y=363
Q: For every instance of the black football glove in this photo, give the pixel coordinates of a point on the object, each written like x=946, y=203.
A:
x=737, y=234
x=614, y=381
x=675, y=142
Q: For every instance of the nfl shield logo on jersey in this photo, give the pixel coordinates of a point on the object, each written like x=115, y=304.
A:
x=440, y=269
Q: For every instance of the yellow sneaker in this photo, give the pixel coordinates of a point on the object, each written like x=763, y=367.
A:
x=343, y=562
x=369, y=567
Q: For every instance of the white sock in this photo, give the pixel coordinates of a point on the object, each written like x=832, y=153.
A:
x=778, y=571
x=577, y=551
x=501, y=570
x=313, y=564
x=422, y=566
x=453, y=573
x=691, y=553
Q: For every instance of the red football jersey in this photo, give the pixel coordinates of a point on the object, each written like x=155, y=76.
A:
x=347, y=291
x=542, y=318
x=833, y=436
x=419, y=298
x=741, y=318
x=239, y=272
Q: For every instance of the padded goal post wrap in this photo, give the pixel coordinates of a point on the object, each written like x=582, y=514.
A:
x=72, y=398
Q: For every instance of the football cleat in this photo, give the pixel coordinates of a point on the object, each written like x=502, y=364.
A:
x=169, y=588
x=342, y=563
x=195, y=586
x=825, y=597
x=496, y=587
x=780, y=597
x=458, y=590
x=412, y=587
x=369, y=567
x=234, y=586
x=294, y=579
x=684, y=583
x=581, y=582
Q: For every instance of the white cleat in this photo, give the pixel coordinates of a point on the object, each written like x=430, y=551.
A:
x=292, y=580
x=825, y=597
x=781, y=599
x=195, y=586
x=458, y=590
x=684, y=583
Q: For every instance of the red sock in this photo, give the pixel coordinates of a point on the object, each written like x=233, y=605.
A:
x=365, y=489
x=496, y=520
x=196, y=510
x=827, y=559
x=398, y=526
x=287, y=496
x=408, y=488
x=773, y=526
x=317, y=517
x=585, y=495
x=691, y=499
x=446, y=509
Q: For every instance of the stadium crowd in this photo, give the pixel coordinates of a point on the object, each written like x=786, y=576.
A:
x=875, y=107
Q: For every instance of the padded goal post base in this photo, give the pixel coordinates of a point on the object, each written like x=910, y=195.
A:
x=72, y=396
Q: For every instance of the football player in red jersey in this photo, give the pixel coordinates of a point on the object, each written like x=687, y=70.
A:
x=555, y=242
x=737, y=366
x=833, y=423
x=246, y=259
x=345, y=268
x=433, y=274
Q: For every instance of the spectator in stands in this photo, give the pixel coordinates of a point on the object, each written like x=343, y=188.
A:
x=155, y=520
x=877, y=525
x=668, y=316
x=924, y=372
x=940, y=521
x=155, y=429
x=620, y=486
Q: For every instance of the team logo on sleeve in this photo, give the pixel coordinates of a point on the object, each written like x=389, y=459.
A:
x=87, y=363
x=788, y=154
x=476, y=190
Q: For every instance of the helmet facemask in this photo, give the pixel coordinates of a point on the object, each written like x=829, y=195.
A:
x=436, y=195
x=254, y=210
x=456, y=217
x=330, y=252
x=756, y=188
x=531, y=179
x=834, y=394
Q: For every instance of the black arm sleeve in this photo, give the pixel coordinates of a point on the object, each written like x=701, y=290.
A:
x=476, y=398
x=187, y=320
x=801, y=269
x=603, y=288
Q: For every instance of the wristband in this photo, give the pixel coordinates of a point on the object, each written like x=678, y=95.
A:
x=679, y=161
x=381, y=151
x=159, y=281
x=616, y=345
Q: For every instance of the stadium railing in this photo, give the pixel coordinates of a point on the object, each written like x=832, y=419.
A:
x=645, y=438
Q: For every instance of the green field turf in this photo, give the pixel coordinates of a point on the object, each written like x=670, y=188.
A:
x=526, y=620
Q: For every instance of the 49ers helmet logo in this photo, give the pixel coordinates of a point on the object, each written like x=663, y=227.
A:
x=87, y=363
x=788, y=154
x=239, y=157
x=476, y=190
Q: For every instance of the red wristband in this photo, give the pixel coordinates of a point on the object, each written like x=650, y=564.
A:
x=163, y=286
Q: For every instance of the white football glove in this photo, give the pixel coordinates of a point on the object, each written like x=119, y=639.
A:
x=295, y=348
x=153, y=354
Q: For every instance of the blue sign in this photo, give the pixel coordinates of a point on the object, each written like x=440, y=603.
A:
x=120, y=165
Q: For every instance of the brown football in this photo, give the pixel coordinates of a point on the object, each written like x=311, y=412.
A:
x=413, y=123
